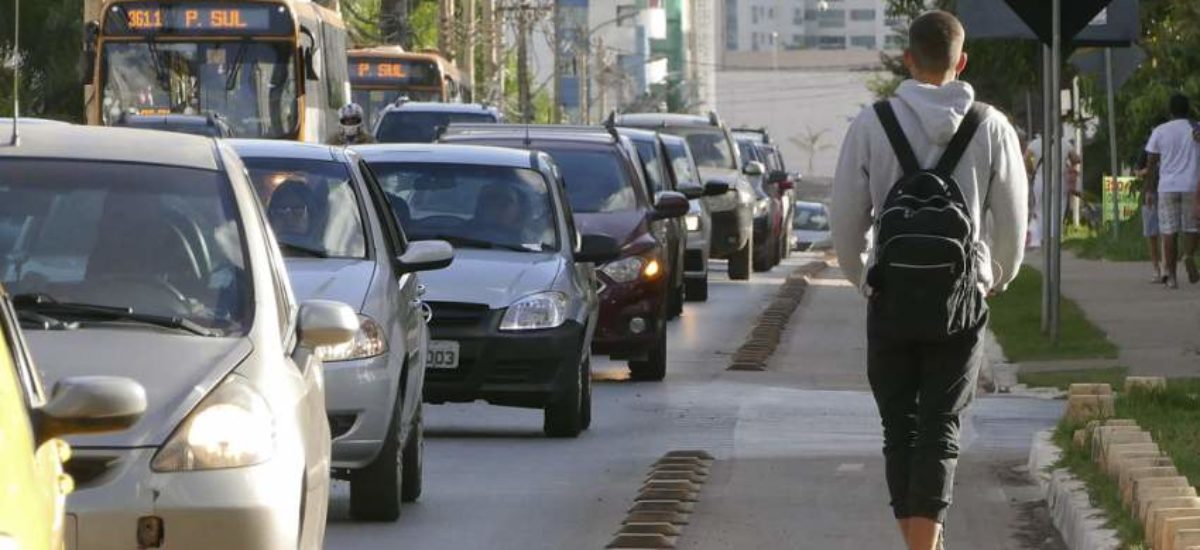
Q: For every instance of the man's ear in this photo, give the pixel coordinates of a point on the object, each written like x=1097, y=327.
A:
x=909, y=63
x=962, y=64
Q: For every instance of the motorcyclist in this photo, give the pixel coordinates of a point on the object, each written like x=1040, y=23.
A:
x=353, y=132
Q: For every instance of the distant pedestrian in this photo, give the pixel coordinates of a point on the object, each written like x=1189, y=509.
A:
x=1070, y=176
x=1150, y=213
x=1173, y=164
x=929, y=269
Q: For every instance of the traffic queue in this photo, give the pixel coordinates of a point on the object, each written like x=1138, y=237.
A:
x=220, y=313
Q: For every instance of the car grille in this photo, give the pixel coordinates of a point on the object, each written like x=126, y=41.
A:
x=455, y=314
x=86, y=470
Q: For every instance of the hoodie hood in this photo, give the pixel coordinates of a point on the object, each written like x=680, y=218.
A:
x=939, y=108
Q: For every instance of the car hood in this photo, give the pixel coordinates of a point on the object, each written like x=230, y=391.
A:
x=493, y=277
x=345, y=281
x=625, y=227
x=177, y=371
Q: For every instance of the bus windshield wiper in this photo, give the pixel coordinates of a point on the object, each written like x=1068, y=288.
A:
x=290, y=249
x=46, y=305
x=236, y=67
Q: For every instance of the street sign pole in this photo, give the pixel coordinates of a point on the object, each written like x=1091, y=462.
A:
x=1112, y=140
x=1056, y=172
x=1044, y=214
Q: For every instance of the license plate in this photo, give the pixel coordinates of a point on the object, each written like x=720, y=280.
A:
x=442, y=354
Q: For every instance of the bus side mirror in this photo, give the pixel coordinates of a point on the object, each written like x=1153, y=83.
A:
x=310, y=51
x=91, y=36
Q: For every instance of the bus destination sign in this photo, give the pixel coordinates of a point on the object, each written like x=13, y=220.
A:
x=409, y=72
x=198, y=18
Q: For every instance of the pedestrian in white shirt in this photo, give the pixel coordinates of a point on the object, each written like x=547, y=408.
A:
x=1174, y=173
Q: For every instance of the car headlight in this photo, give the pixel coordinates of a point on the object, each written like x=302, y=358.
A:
x=537, y=311
x=370, y=341
x=692, y=222
x=761, y=207
x=231, y=427
x=629, y=269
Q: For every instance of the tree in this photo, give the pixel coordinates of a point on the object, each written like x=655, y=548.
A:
x=810, y=143
x=51, y=59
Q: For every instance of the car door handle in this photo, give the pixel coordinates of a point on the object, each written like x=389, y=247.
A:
x=421, y=290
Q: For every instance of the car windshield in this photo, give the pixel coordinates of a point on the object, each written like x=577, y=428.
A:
x=252, y=85
x=596, y=180
x=160, y=241
x=421, y=127
x=709, y=145
x=312, y=206
x=682, y=163
x=373, y=102
x=648, y=153
x=472, y=206
x=811, y=218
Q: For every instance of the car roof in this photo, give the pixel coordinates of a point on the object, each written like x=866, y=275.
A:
x=640, y=134
x=105, y=144
x=435, y=107
x=6, y=123
x=440, y=153
x=283, y=149
x=534, y=132
x=663, y=119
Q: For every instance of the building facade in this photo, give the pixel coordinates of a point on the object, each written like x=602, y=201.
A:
x=783, y=25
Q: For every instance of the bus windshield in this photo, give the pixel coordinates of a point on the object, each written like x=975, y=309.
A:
x=252, y=85
x=374, y=102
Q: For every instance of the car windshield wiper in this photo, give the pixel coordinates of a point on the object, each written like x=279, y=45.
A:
x=33, y=319
x=299, y=250
x=46, y=306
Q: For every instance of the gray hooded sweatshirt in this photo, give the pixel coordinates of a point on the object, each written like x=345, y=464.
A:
x=991, y=175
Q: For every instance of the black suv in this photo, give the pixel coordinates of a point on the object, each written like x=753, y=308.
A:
x=421, y=122
x=601, y=173
x=717, y=156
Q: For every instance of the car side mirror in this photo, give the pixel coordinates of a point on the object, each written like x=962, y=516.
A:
x=597, y=249
x=325, y=323
x=754, y=168
x=425, y=256
x=670, y=204
x=692, y=192
x=90, y=404
x=716, y=188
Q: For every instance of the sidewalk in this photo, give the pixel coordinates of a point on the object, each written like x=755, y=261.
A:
x=1156, y=329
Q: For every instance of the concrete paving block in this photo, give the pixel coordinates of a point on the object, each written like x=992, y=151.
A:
x=673, y=518
x=662, y=506
x=667, y=494
x=1166, y=526
x=1128, y=465
x=1090, y=389
x=684, y=475
x=671, y=484
x=680, y=461
x=1120, y=422
x=1149, y=495
x=1150, y=383
x=1081, y=408
x=640, y=540
x=1165, y=504
x=1153, y=483
x=1132, y=449
x=1122, y=462
x=689, y=453
x=666, y=529
x=1107, y=436
x=1081, y=524
x=1187, y=539
x=1136, y=475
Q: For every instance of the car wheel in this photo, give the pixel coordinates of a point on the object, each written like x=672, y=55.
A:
x=413, y=459
x=675, y=302
x=762, y=262
x=739, y=262
x=654, y=368
x=375, y=489
x=563, y=416
x=585, y=404
x=696, y=290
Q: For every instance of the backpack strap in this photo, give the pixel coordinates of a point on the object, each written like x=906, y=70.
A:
x=895, y=135
x=961, y=140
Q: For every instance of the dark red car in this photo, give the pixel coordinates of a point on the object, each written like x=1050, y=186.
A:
x=604, y=186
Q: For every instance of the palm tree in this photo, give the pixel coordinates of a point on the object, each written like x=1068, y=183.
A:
x=810, y=143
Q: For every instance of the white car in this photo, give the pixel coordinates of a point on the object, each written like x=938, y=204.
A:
x=810, y=226
x=146, y=255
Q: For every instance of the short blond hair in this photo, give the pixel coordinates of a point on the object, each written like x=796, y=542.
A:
x=935, y=41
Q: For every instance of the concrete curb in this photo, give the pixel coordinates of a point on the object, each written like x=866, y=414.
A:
x=764, y=337
x=1080, y=523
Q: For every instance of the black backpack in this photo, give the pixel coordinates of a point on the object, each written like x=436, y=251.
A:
x=925, y=277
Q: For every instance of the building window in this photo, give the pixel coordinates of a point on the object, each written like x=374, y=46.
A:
x=894, y=22
x=832, y=19
x=797, y=42
x=867, y=42
x=798, y=17
x=832, y=43
x=731, y=25
x=895, y=42
x=754, y=15
x=862, y=15
x=627, y=15
x=770, y=13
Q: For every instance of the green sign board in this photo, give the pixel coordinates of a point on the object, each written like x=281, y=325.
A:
x=1126, y=190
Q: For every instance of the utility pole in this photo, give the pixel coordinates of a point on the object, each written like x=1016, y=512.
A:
x=468, y=49
x=446, y=28
x=523, y=97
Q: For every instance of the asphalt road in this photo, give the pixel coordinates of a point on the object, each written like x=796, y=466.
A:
x=797, y=449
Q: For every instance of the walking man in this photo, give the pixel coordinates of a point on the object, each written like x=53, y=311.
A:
x=1174, y=170
x=923, y=171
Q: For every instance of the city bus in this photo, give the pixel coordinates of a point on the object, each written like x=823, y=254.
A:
x=273, y=69
x=381, y=75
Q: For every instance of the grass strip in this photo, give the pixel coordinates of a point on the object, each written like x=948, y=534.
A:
x=1114, y=376
x=1103, y=490
x=1016, y=320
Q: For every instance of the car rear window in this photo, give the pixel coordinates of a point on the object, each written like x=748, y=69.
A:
x=596, y=180
x=421, y=127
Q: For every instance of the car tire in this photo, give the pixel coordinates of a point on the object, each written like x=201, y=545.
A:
x=413, y=460
x=585, y=403
x=375, y=489
x=762, y=262
x=696, y=290
x=740, y=260
x=563, y=416
x=654, y=367
x=675, y=302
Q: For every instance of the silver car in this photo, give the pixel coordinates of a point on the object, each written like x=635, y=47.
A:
x=513, y=318
x=146, y=255
x=340, y=242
